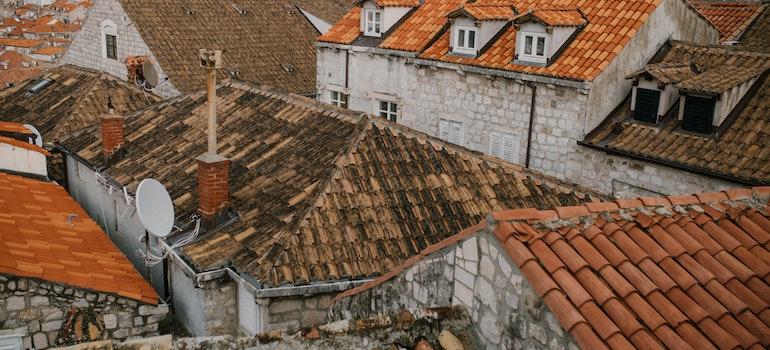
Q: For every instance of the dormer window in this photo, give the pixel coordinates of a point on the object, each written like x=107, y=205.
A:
x=372, y=22
x=465, y=40
x=533, y=48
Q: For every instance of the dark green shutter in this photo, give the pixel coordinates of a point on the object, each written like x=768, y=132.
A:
x=698, y=114
x=647, y=102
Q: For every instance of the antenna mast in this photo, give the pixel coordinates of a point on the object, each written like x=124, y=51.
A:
x=211, y=59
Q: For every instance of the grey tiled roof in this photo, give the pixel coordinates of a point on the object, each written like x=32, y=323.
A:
x=321, y=193
x=268, y=42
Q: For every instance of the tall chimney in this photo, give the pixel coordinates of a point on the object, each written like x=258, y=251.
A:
x=213, y=188
x=113, y=138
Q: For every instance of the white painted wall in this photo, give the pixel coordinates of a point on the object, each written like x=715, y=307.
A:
x=117, y=217
x=13, y=158
x=188, y=301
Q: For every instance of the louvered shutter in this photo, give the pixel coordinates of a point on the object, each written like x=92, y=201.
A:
x=443, y=129
x=456, y=133
x=698, y=114
x=247, y=311
x=495, y=146
x=507, y=148
x=647, y=102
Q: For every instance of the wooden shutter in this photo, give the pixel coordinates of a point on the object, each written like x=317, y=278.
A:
x=647, y=102
x=698, y=114
x=495, y=144
x=450, y=131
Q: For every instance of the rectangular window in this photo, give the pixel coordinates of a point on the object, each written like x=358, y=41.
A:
x=112, y=46
x=533, y=48
x=372, y=23
x=503, y=146
x=338, y=99
x=451, y=131
x=698, y=114
x=387, y=110
x=465, y=40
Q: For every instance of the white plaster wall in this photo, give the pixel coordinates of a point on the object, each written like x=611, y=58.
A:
x=672, y=19
x=86, y=47
x=729, y=100
x=391, y=15
x=22, y=160
x=116, y=216
x=188, y=301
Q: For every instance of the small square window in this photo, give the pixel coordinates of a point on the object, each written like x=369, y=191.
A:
x=698, y=114
x=112, y=46
x=373, y=23
x=387, y=110
x=465, y=40
x=451, y=131
x=503, y=146
x=338, y=99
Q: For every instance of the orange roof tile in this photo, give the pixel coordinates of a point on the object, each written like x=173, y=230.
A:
x=15, y=128
x=675, y=273
x=23, y=144
x=484, y=12
x=50, y=50
x=610, y=25
x=556, y=17
x=36, y=223
x=731, y=18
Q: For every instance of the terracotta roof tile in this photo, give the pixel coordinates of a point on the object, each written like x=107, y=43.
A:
x=689, y=280
x=39, y=212
x=730, y=17
x=587, y=55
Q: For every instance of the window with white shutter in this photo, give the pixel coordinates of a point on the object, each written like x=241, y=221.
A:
x=451, y=131
x=247, y=311
x=504, y=146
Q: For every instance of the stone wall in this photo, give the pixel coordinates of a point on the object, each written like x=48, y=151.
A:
x=505, y=311
x=220, y=306
x=296, y=312
x=86, y=47
x=52, y=314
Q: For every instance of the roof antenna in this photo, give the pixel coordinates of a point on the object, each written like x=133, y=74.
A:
x=109, y=105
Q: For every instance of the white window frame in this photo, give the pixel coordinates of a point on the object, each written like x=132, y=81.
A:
x=450, y=131
x=387, y=113
x=108, y=27
x=340, y=100
x=465, y=45
x=248, y=311
x=11, y=342
x=504, y=146
x=533, y=56
x=373, y=25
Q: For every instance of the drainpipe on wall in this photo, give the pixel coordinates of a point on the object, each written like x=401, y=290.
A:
x=531, y=122
x=347, y=79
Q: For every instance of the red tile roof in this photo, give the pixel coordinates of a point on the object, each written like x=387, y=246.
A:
x=731, y=18
x=23, y=144
x=484, y=12
x=673, y=272
x=38, y=242
x=611, y=25
x=556, y=17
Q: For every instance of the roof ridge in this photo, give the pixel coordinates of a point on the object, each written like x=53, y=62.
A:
x=317, y=194
x=759, y=194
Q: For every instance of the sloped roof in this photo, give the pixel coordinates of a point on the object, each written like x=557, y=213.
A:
x=75, y=100
x=270, y=43
x=684, y=272
x=741, y=152
x=757, y=35
x=38, y=242
x=730, y=17
x=322, y=193
x=611, y=24
x=555, y=17
x=484, y=12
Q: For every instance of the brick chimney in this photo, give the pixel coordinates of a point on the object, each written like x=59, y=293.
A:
x=213, y=189
x=113, y=138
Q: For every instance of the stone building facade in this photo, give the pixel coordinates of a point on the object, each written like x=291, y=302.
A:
x=49, y=314
x=542, y=116
x=476, y=273
x=88, y=45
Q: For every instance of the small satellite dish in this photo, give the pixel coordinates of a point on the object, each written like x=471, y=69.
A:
x=150, y=74
x=156, y=211
x=38, y=139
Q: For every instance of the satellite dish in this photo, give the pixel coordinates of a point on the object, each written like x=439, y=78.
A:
x=38, y=138
x=150, y=74
x=156, y=212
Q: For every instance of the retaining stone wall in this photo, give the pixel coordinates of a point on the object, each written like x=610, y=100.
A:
x=53, y=314
x=293, y=313
x=476, y=273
